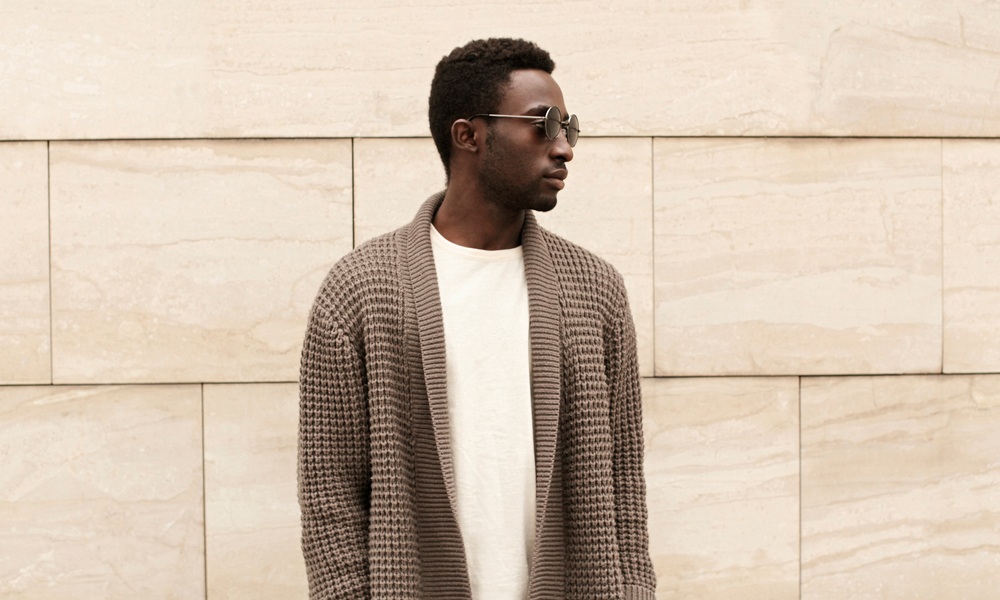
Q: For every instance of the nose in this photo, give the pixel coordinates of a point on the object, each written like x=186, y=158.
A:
x=560, y=147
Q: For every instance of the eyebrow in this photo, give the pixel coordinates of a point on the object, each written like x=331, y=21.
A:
x=537, y=110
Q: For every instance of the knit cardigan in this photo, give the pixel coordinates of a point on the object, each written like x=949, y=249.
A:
x=376, y=482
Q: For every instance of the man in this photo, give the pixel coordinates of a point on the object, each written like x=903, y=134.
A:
x=470, y=419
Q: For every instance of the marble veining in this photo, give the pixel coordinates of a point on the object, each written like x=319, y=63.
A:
x=189, y=69
x=797, y=256
x=192, y=260
x=722, y=486
x=971, y=256
x=900, y=487
x=101, y=493
x=251, y=503
x=24, y=268
x=392, y=178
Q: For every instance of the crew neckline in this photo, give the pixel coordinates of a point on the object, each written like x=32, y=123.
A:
x=443, y=243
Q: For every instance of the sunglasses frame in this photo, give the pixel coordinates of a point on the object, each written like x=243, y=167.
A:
x=553, y=123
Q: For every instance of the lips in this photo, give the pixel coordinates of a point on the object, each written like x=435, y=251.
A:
x=557, y=178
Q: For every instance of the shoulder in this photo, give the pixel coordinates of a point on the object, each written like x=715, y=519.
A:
x=581, y=266
x=586, y=278
x=366, y=277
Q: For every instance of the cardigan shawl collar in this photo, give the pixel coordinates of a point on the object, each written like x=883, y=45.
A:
x=441, y=550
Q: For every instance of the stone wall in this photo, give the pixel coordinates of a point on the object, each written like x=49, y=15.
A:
x=803, y=198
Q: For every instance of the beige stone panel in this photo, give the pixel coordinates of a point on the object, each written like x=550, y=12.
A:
x=392, y=178
x=192, y=260
x=24, y=269
x=607, y=208
x=122, y=69
x=251, y=503
x=876, y=80
x=722, y=466
x=900, y=487
x=101, y=493
x=797, y=256
x=105, y=69
x=971, y=256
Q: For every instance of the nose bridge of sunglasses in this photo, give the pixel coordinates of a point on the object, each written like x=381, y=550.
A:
x=571, y=126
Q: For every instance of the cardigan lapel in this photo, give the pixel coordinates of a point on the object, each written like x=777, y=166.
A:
x=546, y=394
x=427, y=301
x=441, y=552
x=544, y=335
x=543, y=330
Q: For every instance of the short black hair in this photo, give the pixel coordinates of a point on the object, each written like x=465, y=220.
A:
x=472, y=80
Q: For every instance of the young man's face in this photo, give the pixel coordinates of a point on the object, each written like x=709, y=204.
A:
x=521, y=168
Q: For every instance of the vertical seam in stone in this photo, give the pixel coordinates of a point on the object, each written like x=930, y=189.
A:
x=204, y=496
x=48, y=198
x=800, y=486
x=941, y=191
x=354, y=224
x=652, y=233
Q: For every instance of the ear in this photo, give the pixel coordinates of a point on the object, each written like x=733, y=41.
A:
x=464, y=136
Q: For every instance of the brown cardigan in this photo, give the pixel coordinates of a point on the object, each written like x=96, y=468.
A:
x=376, y=485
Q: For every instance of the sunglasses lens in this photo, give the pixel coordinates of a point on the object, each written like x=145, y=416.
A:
x=553, y=122
x=573, y=130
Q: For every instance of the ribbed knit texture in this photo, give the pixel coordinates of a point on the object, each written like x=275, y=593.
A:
x=376, y=485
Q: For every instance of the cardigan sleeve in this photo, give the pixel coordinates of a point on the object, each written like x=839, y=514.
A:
x=629, y=482
x=334, y=468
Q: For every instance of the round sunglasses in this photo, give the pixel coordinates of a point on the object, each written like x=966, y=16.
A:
x=553, y=123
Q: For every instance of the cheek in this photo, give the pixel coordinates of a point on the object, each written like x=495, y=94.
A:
x=529, y=153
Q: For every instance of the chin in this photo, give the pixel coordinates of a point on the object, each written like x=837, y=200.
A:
x=544, y=204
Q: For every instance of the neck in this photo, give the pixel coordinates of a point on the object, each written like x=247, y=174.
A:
x=466, y=218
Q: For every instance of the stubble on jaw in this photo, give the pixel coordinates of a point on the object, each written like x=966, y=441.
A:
x=494, y=178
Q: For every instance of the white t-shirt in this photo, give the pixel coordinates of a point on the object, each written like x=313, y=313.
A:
x=484, y=302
